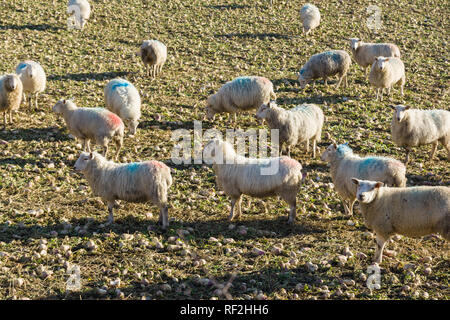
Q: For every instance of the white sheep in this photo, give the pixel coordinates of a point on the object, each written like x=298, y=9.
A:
x=385, y=73
x=131, y=182
x=122, y=98
x=297, y=125
x=97, y=124
x=344, y=165
x=414, y=127
x=324, y=65
x=260, y=178
x=81, y=9
x=154, y=54
x=10, y=95
x=310, y=17
x=413, y=212
x=240, y=94
x=33, y=79
x=365, y=53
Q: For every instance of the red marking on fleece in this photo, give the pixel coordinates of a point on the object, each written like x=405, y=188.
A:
x=113, y=120
x=156, y=164
x=265, y=80
x=289, y=162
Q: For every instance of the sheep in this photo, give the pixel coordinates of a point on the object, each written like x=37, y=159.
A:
x=344, y=164
x=297, y=125
x=88, y=124
x=412, y=212
x=240, y=94
x=324, y=65
x=414, y=127
x=154, y=54
x=131, y=182
x=365, y=53
x=82, y=13
x=310, y=17
x=122, y=98
x=33, y=79
x=385, y=73
x=237, y=175
x=11, y=89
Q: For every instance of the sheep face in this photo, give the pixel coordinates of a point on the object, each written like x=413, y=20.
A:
x=354, y=43
x=132, y=126
x=327, y=154
x=262, y=111
x=12, y=82
x=303, y=82
x=400, y=112
x=210, y=112
x=83, y=160
x=366, y=190
x=380, y=63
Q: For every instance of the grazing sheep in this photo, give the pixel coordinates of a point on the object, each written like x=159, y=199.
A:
x=240, y=94
x=413, y=212
x=297, y=125
x=344, y=165
x=132, y=182
x=237, y=175
x=33, y=79
x=365, y=53
x=88, y=124
x=413, y=127
x=154, y=54
x=83, y=12
x=385, y=73
x=324, y=65
x=122, y=98
x=10, y=95
x=310, y=17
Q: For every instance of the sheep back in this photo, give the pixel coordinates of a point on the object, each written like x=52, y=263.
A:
x=153, y=52
x=367, y=52
x=122, y=98
x=10, y=98
x=310, y=16
x=326, y=64
x=393, y=73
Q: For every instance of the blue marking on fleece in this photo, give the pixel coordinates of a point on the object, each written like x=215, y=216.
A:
x=132, y=167
x=302, y=71
x=22, y=66
x=342, y=149
x=336, y=57
x=120, y=84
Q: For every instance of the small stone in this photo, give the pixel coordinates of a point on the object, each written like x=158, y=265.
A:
x=18, y=282
x=258, y=252
x=427, y=271
x=90, y=245
x=311, y=266
x=351, y=223
x=342, y=260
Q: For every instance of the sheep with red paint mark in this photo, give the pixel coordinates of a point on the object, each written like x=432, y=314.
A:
x=259, y=178
x=122, y=98
x=240, y=94
x=344, y=165
x=97, y=124
x=131, y=182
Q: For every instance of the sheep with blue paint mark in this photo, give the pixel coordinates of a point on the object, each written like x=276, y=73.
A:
x=154, y=54
x=240, y=94
x=324, y=65
x=414, y=127
x=300, y=124
x=97, y=124
x=413, y=212
x=10, y=95
x=122, y=98
x=310, y=17
x=131, y=182
x=33, y=80
x=260, y=178
x=344, y=165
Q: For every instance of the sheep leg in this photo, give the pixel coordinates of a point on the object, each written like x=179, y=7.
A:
x=154, y=71
x=381, y=242
x=339, y=82
x=10, y=116
x=314, y=148
x=408, y=150
x=433, y=150
x=36, y=99
x=119, y=143
x=29, y=101
x=111, y=213
x=325, y=81
x=4, y=120
x=292, y=211
x=346, y=83
x=239, y=208
x=233, y=202
x=350, y=208
x=164, y=216
x=307, y=145
x=346, y=209
x=289, y=151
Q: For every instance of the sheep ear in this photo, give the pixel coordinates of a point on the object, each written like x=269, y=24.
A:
x=91, y=156
x=335, y=145
x=407, y=107
x=355, y=181
x=379, y=184
x=387, y=59
x=392, y=106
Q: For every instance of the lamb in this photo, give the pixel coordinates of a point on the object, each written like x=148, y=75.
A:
x=414, y=127
x=132, y=182
x=297, y=125
x=310, y=17
x=122, y=98
x=10, y=95
x=88, y=124
x=365, y=53
x=344, y=165
x=81, y=9
x=240, y=94
x=385, y=73
x=237, y=175
x=324, y=65
x=154, y=54
x=33, y=79
x=413, y=212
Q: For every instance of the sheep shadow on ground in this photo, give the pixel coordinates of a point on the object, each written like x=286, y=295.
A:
x=228, y=6
x=88, y=76
x=260, y=36
x=40, y=27
x=34, y=134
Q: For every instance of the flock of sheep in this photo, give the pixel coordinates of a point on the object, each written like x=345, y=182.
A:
x=378, y=183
